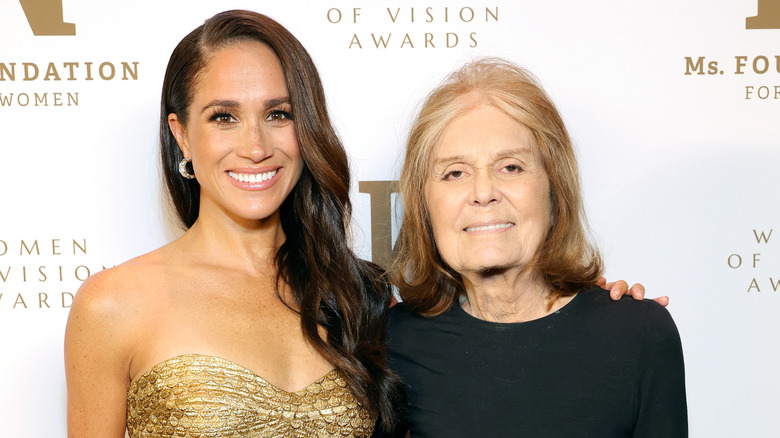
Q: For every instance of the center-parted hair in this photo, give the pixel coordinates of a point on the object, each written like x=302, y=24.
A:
x=332, y=287
x=567, y=261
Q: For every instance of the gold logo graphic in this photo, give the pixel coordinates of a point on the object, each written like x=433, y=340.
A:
x=381, y=192
x=768, y=16
x=45, y=17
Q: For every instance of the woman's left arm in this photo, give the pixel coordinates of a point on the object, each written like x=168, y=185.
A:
x=661, y=401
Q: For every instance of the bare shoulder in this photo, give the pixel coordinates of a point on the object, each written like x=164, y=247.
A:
x=108, y=304
x=101, y=340
x=119, y=289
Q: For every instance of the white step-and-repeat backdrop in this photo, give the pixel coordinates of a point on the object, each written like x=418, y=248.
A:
x=674, y=107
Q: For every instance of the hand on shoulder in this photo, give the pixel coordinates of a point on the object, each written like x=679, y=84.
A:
x=619, y=288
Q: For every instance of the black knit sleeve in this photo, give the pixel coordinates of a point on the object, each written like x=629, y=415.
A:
x=662, y=408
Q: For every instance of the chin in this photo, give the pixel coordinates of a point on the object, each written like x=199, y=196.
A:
x=487, y=271
x=258, y=211
x=487, y=265
x=484, y=266
x=253, y=215
x=491, y=260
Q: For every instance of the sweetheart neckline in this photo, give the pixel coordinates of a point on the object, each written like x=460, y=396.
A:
x=234, y=365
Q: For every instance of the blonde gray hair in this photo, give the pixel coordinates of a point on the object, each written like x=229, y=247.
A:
x=567, y=261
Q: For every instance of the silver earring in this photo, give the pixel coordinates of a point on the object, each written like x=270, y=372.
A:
x=183, y=168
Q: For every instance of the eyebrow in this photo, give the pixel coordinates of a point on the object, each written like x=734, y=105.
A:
x=450, y=159
x=523, y=150
x=227, y=103
x=222, y=103
x=503, y=153
x=270, y=103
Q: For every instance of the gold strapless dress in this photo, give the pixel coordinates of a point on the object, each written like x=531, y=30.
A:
x=198, y=396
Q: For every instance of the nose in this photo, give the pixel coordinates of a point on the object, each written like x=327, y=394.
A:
x=485, y=191
x=255, y=144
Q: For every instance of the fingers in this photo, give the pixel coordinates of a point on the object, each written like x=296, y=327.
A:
x=638, y=291
x=617, y=289
x=664, y=301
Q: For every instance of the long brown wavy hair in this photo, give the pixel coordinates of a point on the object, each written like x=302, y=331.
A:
x=567, y=261
x=332, y=288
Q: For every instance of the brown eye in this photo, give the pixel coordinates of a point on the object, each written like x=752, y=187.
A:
x=279, y=116
x=223, y=118
x=455, y=174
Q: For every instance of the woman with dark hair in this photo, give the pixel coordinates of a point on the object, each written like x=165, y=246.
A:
x=259, y=320
x=503, y=330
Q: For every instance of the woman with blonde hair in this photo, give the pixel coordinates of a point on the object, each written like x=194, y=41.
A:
x=503, y=330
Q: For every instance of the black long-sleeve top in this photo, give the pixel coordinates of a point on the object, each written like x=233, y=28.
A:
x=595, y=368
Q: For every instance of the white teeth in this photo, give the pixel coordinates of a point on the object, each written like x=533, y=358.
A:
x=489, y=227
x=252, y=177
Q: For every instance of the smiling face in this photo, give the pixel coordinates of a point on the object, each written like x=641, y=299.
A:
x=240, y=133
x=488, y=193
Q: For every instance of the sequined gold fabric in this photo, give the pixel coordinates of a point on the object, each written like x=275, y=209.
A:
x=195, y=396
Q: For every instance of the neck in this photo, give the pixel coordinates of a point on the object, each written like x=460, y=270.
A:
x=244, y=245
x=507, y=296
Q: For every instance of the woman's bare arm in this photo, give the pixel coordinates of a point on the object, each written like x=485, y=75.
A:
x=97, y=358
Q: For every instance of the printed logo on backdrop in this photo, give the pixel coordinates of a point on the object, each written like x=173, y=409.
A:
x=43, y=274
x=768, y=16
x=760, y=265
x=45, y=17
x=32, y=82
x=381, y=193
x=381, y=28
x=762, y=70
